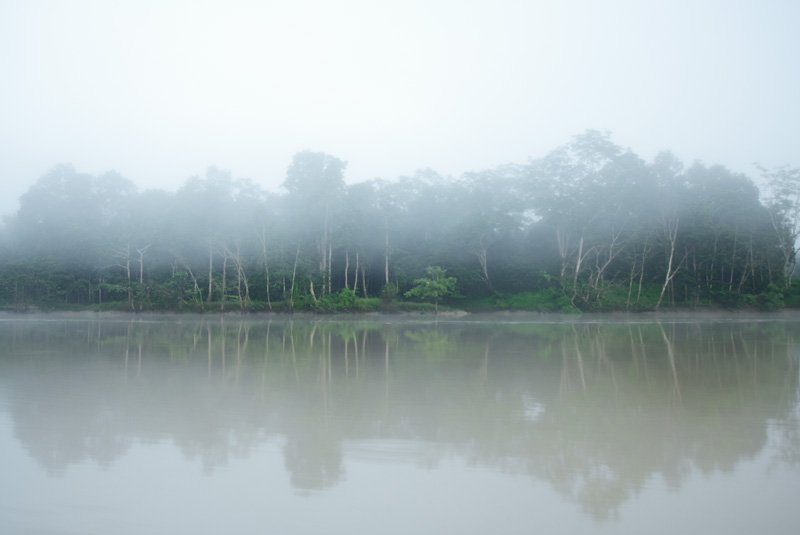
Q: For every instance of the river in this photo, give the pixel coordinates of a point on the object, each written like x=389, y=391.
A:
x=389, y=424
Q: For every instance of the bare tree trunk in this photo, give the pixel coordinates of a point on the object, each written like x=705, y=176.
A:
x=749, y=263
x=128, y=274
x=246, y=287
x=784, y=220
x=386, y=219
x=364, y=281
x=483, y=257
x=294, y=273
x=577, y=267
x=645, y=250
x=672, y=235
x=196, y=294
x=578, y=263
x=562, y=240
x=355, y=281
x=224, y=280
x=210, y=270
x=141, y=252
x=124, y=255
x=330, y=263
x=241, y=277
x=602, y=261
x=263, y=237
x=709, y=278
x=733, y=261
x=346, y=267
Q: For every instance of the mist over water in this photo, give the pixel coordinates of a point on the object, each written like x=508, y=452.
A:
x=159, y=423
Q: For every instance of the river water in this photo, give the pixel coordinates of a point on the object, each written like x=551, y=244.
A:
x=504, y=424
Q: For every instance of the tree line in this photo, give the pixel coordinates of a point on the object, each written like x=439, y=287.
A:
x=589, y=226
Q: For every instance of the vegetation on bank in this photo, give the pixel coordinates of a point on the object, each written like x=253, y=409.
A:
x=588, y=227
x=546, y=301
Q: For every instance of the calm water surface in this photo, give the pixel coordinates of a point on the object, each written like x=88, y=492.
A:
x=178, y=424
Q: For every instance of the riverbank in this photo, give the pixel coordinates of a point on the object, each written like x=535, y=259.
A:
x=615, y=299
x=446, y=314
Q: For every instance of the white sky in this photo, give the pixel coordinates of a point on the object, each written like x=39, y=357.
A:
x=160, y=90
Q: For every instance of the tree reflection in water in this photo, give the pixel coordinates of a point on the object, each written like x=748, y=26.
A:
x=595, y=409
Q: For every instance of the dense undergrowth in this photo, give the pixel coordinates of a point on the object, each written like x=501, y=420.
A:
x=616, y=298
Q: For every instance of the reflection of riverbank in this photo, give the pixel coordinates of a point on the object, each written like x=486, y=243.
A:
x=594, y=409
x=675, y=314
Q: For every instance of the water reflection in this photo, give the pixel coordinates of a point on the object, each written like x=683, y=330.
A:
x=594, y=409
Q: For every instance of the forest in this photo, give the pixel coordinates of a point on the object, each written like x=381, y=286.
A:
x=590, y=226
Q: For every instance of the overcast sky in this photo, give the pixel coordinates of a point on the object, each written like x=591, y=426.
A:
x=158, y=91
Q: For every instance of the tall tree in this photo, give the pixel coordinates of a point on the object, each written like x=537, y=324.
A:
x=315, y=183
x=671, y=183
x=488, y=208
x=561, y=189
x=783, y=202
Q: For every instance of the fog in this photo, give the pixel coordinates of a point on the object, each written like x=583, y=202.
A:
x=159, y=91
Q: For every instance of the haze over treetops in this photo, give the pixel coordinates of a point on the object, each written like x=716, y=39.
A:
x=589, y=226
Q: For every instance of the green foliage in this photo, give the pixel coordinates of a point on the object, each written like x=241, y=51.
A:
x=547, y=300
x=433, y=287
x=389, y=294
x=174, y=293
x=772, y=299
x=619, y=297
x=644, y=298
x=791, y=296
x=365, y=304
x=345, y=301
